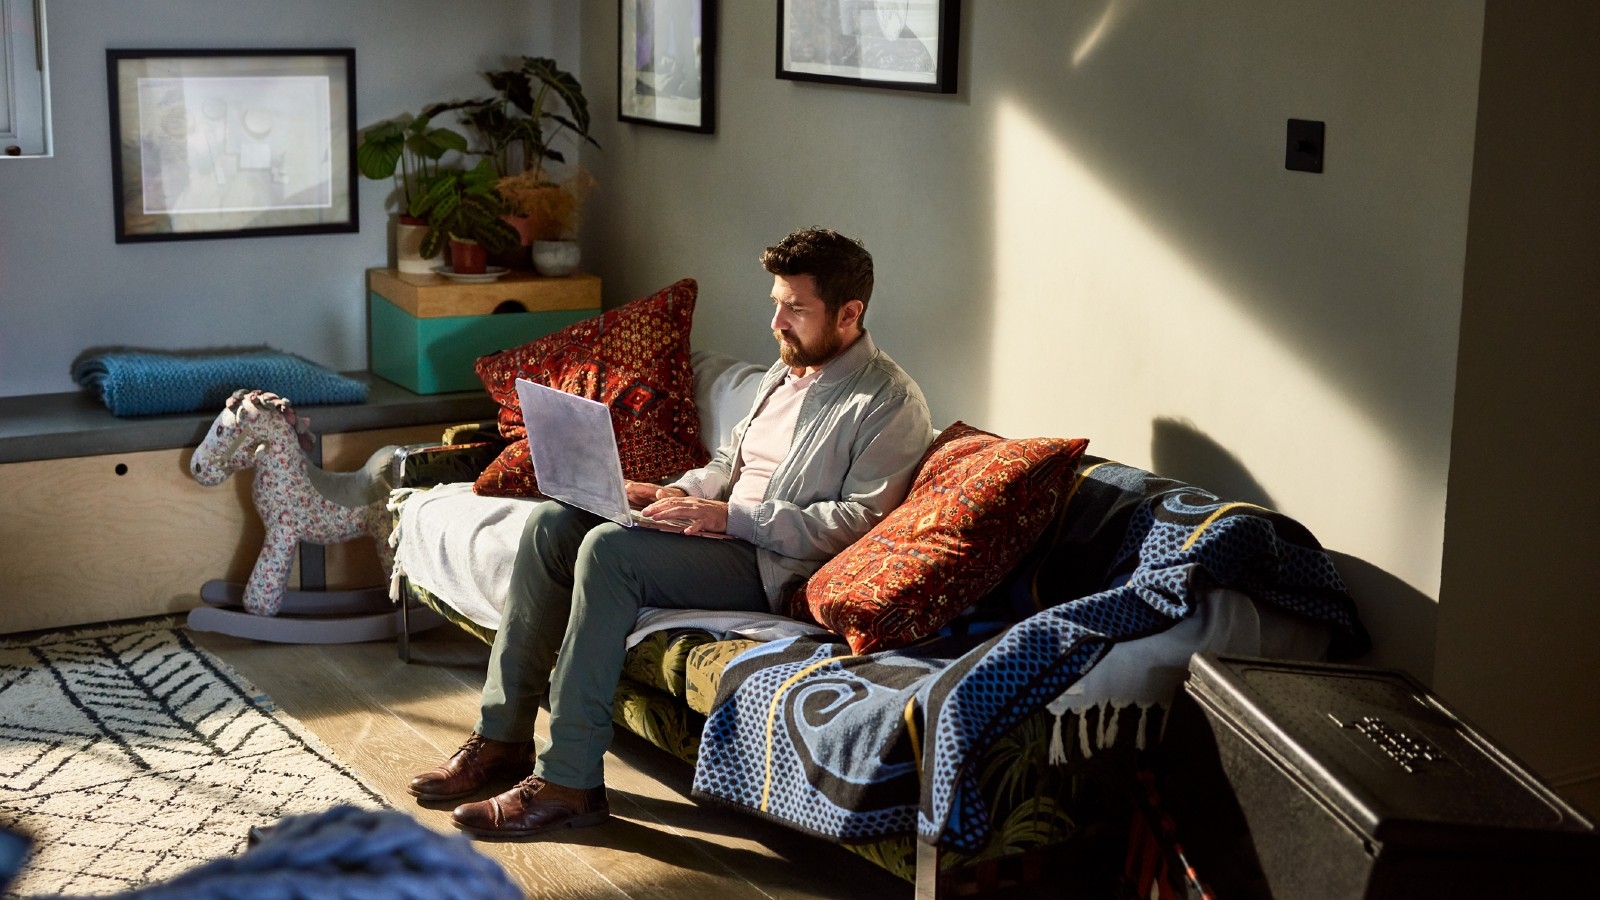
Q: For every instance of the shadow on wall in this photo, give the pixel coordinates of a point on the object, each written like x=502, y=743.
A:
x=1180, y=450
x=1408, y=616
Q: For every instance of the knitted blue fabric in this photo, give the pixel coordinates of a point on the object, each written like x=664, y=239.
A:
x=144, y=382
x=345, y=853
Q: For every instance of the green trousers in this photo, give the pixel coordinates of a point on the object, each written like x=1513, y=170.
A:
x=578, y=584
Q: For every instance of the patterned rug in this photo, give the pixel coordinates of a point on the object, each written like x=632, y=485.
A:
x=129, y=754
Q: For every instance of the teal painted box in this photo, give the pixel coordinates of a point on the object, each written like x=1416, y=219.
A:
x=426, y=332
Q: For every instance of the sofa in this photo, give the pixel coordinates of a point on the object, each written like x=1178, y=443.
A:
x=1053, y=783
x=966, y=695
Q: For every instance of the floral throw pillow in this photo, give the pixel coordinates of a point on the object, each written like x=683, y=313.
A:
x=976, y=507
x=634, y=359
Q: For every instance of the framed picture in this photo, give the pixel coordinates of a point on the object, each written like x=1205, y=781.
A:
x=232, y=143
x=907, y=45
x=667, y=63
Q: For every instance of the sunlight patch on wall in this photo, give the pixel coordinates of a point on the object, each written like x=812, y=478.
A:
x=1101, y=327
x=1091, y=38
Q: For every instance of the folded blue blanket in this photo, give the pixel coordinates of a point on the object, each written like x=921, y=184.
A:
x=144, y=382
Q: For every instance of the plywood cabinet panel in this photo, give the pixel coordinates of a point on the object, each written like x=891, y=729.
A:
x=100, y=538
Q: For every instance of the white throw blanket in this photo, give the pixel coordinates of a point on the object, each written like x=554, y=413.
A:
x=460, y=547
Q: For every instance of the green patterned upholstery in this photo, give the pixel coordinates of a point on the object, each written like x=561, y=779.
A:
x=661, y=659
x=410, y=593
x=426, y=465
x=706, y=663
x=662, y=720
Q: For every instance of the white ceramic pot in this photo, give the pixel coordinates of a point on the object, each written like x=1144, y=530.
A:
x=408, y=256
x=555, y=258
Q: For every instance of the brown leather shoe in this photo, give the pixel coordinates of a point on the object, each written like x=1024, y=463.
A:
x=479, y=763
x=532, y=807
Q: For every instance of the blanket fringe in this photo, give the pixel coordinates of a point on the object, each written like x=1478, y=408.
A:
x=397, y=570
x=395, y=574
x=1103, y=733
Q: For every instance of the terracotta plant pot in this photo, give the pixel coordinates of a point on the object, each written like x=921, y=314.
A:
x=468, y=258
x=517, y=257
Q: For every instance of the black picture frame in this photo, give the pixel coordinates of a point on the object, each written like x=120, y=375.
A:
x=903, y=45
x=223, y=143
x=676, y=89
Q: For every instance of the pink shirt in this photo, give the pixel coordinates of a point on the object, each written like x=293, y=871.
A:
x=767, y=440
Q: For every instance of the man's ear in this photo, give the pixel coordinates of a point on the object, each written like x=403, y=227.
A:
x=850, y=314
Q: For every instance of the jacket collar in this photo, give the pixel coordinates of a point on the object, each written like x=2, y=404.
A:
x=848, y=362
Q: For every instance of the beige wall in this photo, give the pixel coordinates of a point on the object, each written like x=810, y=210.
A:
x=1519, y=617
x=1096, y=236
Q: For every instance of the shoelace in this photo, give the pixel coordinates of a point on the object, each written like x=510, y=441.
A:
x=472, y=746
x=529, y=786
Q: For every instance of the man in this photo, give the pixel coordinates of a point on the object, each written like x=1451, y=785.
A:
x=828, y=450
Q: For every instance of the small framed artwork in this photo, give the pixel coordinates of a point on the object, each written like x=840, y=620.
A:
x=232, y=143
x=667, y=62
x=907, y=45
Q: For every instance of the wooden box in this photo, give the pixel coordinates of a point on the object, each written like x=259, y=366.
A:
x=425, y=331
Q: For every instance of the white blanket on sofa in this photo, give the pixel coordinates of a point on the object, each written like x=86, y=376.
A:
x=460, y=547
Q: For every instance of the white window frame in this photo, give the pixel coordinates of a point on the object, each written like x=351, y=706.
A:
x=24, y=80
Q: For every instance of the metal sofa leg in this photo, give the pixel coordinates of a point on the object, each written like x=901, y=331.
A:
x=927, y=883
x=404, y=644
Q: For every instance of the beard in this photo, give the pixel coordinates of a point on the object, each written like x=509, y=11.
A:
x=797, y=355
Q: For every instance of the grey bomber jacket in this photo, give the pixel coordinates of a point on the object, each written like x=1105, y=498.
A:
x=862, y=429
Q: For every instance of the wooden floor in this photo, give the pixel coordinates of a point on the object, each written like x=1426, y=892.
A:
x=389, y=720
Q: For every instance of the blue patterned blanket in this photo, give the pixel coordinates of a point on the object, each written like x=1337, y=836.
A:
x=859, y=748
x=147, y=382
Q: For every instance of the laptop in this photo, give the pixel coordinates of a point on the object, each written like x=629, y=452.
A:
x=575, y=455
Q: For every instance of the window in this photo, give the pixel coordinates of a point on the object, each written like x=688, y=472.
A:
x=24, y=80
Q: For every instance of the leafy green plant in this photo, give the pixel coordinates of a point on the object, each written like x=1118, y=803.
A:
x=519, y=126
x=464, y=206
x=412, y=146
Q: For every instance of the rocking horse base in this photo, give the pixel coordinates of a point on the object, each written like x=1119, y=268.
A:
x=307, y=617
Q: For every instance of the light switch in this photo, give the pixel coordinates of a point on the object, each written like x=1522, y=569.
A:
x=1304, y=150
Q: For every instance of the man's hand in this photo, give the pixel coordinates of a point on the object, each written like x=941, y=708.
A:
x=704, y=516
x=643, y=493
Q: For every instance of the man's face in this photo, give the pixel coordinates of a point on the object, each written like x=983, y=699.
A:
x=807, y=335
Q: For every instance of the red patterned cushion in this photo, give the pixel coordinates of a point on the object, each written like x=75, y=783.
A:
x=976, y=507
x=635, y=359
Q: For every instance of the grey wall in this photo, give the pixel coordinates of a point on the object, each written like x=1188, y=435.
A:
x=66, y=286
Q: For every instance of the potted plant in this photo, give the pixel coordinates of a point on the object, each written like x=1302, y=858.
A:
x=411, y=150
x=463, y=208
x=548, y=214
x=518, y=129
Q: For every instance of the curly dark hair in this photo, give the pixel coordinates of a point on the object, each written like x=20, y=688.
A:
x=840, y=266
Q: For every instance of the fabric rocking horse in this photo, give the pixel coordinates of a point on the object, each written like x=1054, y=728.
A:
x=297, y=501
